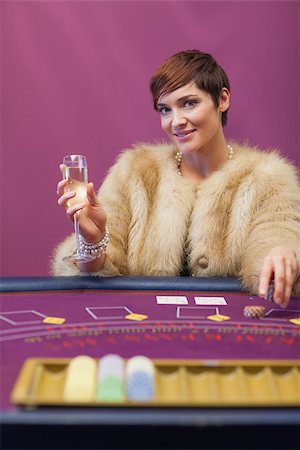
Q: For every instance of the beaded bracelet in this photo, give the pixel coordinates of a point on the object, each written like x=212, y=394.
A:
x=88, y=248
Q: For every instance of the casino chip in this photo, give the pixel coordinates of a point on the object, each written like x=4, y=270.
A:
x=80, y=384
x=254, y=312
x=140, y=379
x=111, y=379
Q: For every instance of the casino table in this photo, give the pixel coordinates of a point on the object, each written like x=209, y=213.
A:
x=178, y=320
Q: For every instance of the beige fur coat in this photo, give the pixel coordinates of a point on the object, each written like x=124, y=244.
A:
x=227, y=224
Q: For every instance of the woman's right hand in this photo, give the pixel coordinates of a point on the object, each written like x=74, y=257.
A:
x=92, y=217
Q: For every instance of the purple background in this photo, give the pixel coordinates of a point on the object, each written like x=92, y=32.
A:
x=75, y=79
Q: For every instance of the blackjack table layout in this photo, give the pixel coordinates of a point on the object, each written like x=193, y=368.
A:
x=221, y=380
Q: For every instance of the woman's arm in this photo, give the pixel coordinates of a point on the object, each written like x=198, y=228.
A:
x=272, y=248
x=111, y=211
x=281, y=265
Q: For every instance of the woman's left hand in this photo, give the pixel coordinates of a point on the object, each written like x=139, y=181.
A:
x=281, y=265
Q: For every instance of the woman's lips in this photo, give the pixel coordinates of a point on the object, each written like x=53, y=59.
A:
x=184, y=135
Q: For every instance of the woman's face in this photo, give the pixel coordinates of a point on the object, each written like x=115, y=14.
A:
x=189, y=117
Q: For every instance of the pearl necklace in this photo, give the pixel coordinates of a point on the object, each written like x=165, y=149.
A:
x=178, y=158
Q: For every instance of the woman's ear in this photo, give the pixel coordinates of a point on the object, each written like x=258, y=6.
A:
x=224, y=100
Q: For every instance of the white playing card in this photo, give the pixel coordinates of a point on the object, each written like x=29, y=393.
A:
x=171, y=300
x=210, y=301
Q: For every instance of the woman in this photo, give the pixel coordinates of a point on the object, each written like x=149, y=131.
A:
x=199, y=206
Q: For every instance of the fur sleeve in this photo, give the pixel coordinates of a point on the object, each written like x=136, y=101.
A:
x=275, y=220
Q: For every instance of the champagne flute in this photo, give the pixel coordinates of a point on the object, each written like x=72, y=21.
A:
x=76, y=174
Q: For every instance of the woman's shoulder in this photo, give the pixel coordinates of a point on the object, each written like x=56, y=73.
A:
x=263, y=162
x=146, y=153
x=144, y=161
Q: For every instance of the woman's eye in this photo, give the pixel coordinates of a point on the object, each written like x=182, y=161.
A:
x=190, y=103
x=164, y=110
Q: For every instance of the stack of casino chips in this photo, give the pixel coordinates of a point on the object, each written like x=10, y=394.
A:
x=254, y=312
x=111, y=379
x=140, y=379
x=80, y=384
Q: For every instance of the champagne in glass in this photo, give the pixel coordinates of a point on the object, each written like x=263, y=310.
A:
x=77, y=181
x=76, y=174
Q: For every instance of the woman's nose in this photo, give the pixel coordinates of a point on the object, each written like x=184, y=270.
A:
x=178, y=119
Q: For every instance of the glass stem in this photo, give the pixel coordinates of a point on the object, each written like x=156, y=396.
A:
x=76, y=229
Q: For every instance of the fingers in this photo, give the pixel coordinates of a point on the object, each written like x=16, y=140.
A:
x=282, y=264
x=74, y=209
x=64, y=198
x=265, y=277
x=280, y=281
x=282, y=285
x=61, y=187
x=289, y=278
x=92, y=220
x=295, y=267
x=91, y=195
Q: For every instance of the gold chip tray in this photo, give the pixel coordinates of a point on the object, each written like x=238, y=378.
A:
x=178, y=383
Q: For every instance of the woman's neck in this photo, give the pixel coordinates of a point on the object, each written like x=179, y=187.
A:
x=198, y=165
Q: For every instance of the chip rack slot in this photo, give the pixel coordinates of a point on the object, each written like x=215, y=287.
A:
x=200, y=385
x=288, y=383
x=229, y=385
x=242, y=383
x=213, y=385
x=168, y=381
x=258, y=385
x=184, y=390
x=273, y=389
x=51, y=382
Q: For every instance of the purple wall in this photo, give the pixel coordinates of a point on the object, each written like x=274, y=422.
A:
x=75, y=79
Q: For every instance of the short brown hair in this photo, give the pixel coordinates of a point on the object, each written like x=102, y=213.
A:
x=185, y=67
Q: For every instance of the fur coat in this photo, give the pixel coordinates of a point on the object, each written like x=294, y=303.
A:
x=226, y=225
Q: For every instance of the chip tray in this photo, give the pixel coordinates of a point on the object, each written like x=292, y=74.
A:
x=181, y=383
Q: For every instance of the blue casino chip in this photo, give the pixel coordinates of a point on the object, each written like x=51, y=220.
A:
x=140, y=386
